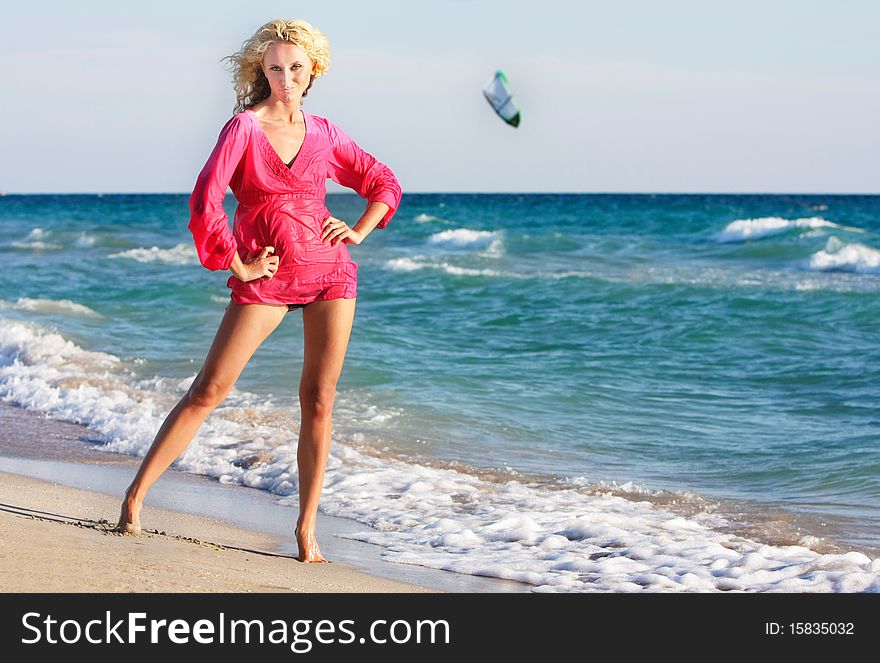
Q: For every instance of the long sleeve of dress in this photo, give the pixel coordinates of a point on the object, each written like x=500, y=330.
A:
x=352, y=167
x=209, y=223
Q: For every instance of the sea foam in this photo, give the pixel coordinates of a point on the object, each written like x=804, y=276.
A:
x=181, y=254
x=84, y=239
x=571, y=537
x=744, y=229
x=459, y=238
x=462, y=237
x=37, y=245
x=63, y=306
x=421, y=262
x=37, y=240
x=840, y=256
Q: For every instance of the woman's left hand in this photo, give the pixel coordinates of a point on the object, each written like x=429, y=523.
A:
x=336, y=230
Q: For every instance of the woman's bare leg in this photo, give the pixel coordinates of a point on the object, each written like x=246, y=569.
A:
x=327, y=328
x=243, y=329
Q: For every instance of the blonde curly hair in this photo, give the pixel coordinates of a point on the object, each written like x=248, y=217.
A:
x=251, y=85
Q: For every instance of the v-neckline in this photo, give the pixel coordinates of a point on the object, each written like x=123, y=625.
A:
x=302, y=147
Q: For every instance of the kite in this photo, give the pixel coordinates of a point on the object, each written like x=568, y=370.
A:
x=498, y=94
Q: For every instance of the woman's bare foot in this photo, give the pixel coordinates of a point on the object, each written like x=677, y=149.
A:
x=307, y=542
x=129, y=516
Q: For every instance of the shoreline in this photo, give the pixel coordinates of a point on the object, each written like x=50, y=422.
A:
x=54, y=538
x=51, y=467
x=78, y=460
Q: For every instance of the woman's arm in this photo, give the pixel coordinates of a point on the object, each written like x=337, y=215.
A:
x=336, y=230
x=209, y=222
x=237, y=267
x=374, y=214
x=352, y=167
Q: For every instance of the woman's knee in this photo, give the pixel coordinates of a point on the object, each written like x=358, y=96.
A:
x=316, y=400
x=207, y=393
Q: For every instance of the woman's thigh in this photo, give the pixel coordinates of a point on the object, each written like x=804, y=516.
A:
x=326, y=330
x=243, y=329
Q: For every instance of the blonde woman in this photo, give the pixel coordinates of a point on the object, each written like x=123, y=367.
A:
x=286, y=251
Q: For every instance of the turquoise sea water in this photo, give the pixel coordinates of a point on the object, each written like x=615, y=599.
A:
x=721, y=345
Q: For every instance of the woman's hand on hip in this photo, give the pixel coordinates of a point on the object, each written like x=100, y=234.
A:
x=263, y=265
x=336, y=230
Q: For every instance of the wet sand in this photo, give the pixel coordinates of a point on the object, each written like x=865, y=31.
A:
x=54, y=538
x=60, y=495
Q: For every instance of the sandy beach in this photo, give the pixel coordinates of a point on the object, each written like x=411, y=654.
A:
x=54, y=538
x=60, y=494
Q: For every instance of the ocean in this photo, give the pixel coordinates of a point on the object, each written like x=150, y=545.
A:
x=576, y=392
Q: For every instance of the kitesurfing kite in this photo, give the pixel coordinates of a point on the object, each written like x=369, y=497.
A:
x=498, y=94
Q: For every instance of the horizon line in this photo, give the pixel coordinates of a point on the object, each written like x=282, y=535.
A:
x=4, y=194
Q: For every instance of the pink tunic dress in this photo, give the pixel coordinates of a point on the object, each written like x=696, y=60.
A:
x=283, y=207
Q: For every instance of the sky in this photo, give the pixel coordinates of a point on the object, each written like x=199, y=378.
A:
x=770, y=96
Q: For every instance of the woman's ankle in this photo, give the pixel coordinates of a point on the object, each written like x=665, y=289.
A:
x=305, y=526
x=134, y=496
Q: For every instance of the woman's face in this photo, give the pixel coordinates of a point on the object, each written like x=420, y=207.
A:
x=288, y=69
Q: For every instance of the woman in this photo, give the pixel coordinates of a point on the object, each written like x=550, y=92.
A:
x=285, y=252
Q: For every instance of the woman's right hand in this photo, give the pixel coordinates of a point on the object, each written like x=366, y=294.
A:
x=261, y=265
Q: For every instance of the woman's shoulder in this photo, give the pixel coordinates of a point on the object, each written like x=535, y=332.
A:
x=236, y=129
x=319, y=121
x=327, y=128
x=238, y=122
